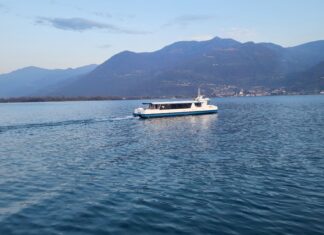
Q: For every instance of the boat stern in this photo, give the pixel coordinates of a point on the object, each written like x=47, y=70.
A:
x=137, y=112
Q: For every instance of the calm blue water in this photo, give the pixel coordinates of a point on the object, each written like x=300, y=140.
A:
x=257, y=167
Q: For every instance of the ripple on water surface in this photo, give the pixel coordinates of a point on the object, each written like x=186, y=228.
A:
x=257, y=167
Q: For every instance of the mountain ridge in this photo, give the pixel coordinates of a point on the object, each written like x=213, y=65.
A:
x=179, y=68
x=32, y=80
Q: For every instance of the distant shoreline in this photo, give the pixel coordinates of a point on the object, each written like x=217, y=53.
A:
x=111, y=98
x=79, y=98
x=63, y=98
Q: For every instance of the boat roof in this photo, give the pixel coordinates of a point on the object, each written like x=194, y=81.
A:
x=174, y=102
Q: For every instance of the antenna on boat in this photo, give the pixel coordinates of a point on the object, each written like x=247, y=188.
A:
x=198, y=91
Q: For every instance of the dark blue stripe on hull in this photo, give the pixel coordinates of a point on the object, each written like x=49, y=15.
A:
x=176, y=114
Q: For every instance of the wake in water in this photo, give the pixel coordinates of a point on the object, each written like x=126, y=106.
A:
x=63, y=123
x=116, y=118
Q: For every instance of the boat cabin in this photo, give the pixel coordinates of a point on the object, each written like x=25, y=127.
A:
x=174, y=105
x=176, y=108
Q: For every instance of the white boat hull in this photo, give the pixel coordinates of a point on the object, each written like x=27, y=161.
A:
x=177, y=108
x=170, y=113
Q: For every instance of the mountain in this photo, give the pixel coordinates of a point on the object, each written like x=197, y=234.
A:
x=35, y=81
x=178, y=69
x=309, y=80
x=306, y=55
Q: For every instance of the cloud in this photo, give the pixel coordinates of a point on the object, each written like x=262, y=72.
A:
x=81, y=24
x=74, y=24
x=4, y=8
x=184, y=20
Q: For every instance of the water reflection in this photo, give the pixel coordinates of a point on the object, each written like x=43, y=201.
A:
x=181, y=135
x=203, y=122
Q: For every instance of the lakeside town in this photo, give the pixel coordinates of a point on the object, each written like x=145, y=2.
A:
x=230, y=90
x=224, y=91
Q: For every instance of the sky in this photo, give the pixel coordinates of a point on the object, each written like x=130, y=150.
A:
x=72, y=33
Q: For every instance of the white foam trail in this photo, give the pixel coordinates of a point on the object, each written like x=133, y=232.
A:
x=123, y=118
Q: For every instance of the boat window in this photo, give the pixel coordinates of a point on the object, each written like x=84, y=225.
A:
x=198, y=104
x=176, y=106
x=154, y=106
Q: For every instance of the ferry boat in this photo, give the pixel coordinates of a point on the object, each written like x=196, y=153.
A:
x=199, y=105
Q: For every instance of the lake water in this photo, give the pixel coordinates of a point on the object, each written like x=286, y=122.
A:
x=257, y=167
